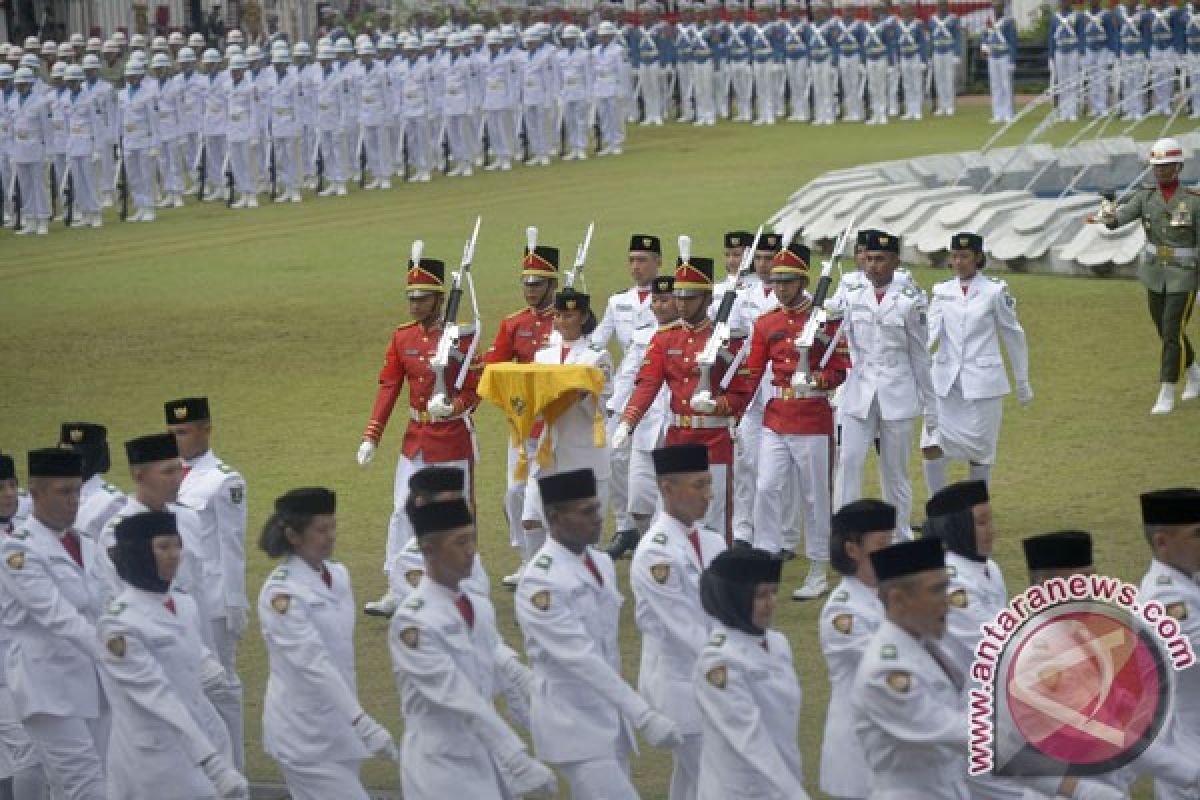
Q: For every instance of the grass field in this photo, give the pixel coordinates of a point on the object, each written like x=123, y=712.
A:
x=281, y=316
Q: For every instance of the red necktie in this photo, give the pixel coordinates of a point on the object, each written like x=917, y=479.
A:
x=694, y=538
x=591, y=565
x=70, y=543
x=466, y=609
x=964, y=287
x=879, y=293
x=186, y=470
x=169, y=604
x=566, y=351
x=326, y=577
x=642, y=295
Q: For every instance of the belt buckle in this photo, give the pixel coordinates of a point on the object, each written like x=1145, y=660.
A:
x=787, y=394
x=685, y=421
x=1165, y=252
x=423, y=417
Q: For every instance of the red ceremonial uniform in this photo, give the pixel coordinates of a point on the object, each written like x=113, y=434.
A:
x=409, y=356
x=671, y=358
x=521, y=335
x=774, y=342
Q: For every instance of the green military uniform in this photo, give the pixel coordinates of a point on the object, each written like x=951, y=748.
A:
x=1168, y=267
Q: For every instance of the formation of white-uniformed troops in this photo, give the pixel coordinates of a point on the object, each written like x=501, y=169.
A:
x=122, y=614
x=152, y=120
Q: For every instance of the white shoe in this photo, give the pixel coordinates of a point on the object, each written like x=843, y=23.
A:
x=385, y=184
x=43, y=227
x=580, y=155
x=136, y=216
x=616, y=151
x=240, y=202
x=371, y=185
x=27, y=230
x=97, y=221
x=424, y=177
x=147, y=216
x=506, y=165
x=1166, y=400
x=383, y=607
x=283, y=198
x=328, y=191
x=164, y=202
x=492, y=167
x=252, y=201
x=533, y=161
x=454, y=173
x=177, y=200
x=107, y=200
x=511, y=581
x=1191, y=388
x=815, y=583
x=467, y=172
x=340, y=190
x=569, y=156
x=295, y=197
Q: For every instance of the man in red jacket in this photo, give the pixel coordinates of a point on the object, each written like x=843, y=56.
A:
x=699, y=414
x=439, y=429
x=797, y=421
x=520, y=336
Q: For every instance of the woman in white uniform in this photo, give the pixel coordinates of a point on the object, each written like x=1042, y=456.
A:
x=168, y=741
x=746, y=685
x=968, y=316
x=313, y=724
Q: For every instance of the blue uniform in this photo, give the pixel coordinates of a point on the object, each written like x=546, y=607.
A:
x=1100, y=46
x=796, y=63
x=1065, y=51
x=912, y=53
x=847, y=47
x=1166, y=46
x=1000, y=46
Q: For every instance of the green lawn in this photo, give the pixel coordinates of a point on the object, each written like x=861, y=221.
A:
x=282, y=315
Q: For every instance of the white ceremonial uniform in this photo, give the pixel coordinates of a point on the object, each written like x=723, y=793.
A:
x=155, y=668
x=626, y=311
x=887, y=388
x=910, y=720
x=968, y=372
x=99, y=501
x=216, y=121
x=217, y=493
x=651, y=430
x=575, y=67
x=418, y=100
x=1179, y=595
x=749, y=700
x=848, y=621
x=311, y=701
x=170, y=167
x=84, y=135
x=243, y=133
x=408, y=567
x=581, y=708
x=537, y=93
x=31, y=135
x=50, y=611
x=608, y=67
x=573, y=434
x=137, y=108
x=104, y=99
x=18, y=758
x=459, y=111
x=499, y=88
x=193, y=88
x=665, y=579
x=332, y=140
x=448, y=673
x=284, y=106
x=374, y=110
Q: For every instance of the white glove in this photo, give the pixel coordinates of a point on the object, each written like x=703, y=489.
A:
x=528, y=777
x=96, y=157
x=228, y=782
x=930, y=422
x=439, y=407
x=366, y=452
x=236, y=619
x=1024, y=393
x=1095, y=790
x=703, y=403
x=620, y=436
x=152, y=152
x=659, y=731
x=376, y=738
x=212, y=674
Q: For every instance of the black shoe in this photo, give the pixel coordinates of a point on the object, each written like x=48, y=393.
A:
x=741, y=544
x=786, y=555
x=623, y=542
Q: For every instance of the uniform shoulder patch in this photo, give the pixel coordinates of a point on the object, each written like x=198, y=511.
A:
x=411, y=636
x=659, y=538
x=888, y=652
x=844, y=623
x=841, y=597
x=660, y=572
x=414, y=604
x=1178, y=610
x=1163, y=580
x=717, y=676
x=225, y=468
x=237, y=494
x=279, y=574
x=413, y=577
x=15, y=561
x=716, y=640
x=116, y=646
x=543, y=561
x=108, y=487
x=899, y=681
x=958, y=598
x=281, y=603
x=541, y=600
x=20, y=534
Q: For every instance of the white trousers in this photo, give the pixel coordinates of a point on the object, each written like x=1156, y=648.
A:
x=600, y=779
x=35, y=202
x=379, y=153
x=685, y=768
x=418, y=144
x=852, y=99
x=619, y=487
x=241, y=161
x=895, y=443
x=17, y=752
x=215, y=145
x=287, y=164
x=1162, y=71
x=334, y=156
x=1133, y=85
x=514, y=494
x=499, y=139
x=139, y=168
x=764, y=92
x=230, y=704
x=459, y=132
x=824, y=83
x=944, y=67
x=108, y=167
x=322, y=781
x=575, y=121
x=1066, y=75
x=745, y=472
x=612, y=127
x=912, y=75
x=69, y=749
x=717, y=517
x=644, y=499
x=650, y=76
x=793, y=467
x=741, y=75
x=799, y=80
x=535, y=131
x=1096, y=63
x=83, y=178
x=1000, y=73
x=877, y=88
x=686, y=73
x=399, y=527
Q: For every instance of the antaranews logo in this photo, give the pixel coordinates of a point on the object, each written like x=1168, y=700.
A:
x=1073, y=677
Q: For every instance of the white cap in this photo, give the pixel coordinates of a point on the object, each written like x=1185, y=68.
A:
x=6, y=72
x=74, y=73
x=32, y=43
x=343, y=45
x=235, y=37
x=429, y=40
x=160, y=61
x=365, y=49
x=325, y=52
x=1166, y=151
x=493, y=37
x=94, y=44
x=571, y=32
x=66, y=51
x=233, y=50
x=59, y=70
x=387, y=42
x=607, y=29
x=411, y=43
x=476, y=30
x=13, y=51
x=31, y=61
x=119, y=37
x=324, y=40
x=508, y=32
x=158, y=43
x=76, y=39
x=49, y=47
x=134, y=67
x=253, y=52
x=110, y=46
x=196, y=41
x=91, y=61
x=280, y=57
x=186, y=55
x=23, y=75
x=176, y=39
x=302, y=49
x=362, y=39
x=237, y=62
x=138, y=40
x=211, y=56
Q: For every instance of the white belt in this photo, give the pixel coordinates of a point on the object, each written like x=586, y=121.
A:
x=701, y=422
x=1167, y=253
x=424, y=417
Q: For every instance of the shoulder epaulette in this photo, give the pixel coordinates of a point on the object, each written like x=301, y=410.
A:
x=543, y=561
x=516, y=314
x=716, y=640
x=108, y=487
x=414, y=604
x=279, y=574
x=223, y=467
x=659, y=538
x=408, y=324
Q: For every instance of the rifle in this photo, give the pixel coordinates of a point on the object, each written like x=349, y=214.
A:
x=361, y=151
x=802, y=379
x=227, y=170
x=2, y=197
x=68, y=191
x=320, y=159
x=580, y=259
x=274, y=173
x=122, y=180
x=201, y=165
x=722, y=332
x=447, y=347
x=14, y=191
x=53, y=191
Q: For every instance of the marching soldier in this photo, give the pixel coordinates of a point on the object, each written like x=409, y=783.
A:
x=878, y=44
x=168, y=95
x=706, y=399
x=849, y=619
x=520, y=337
x=50, y=612
x=191, y=88
x=568, y=606
x=945, y=35
x=890, y=384
x=313, y=723
x=746, y=684
x=739, y=60
x=1133, y=35
x=216, y=123
x=374, y=110
x=538, y=90
x=99, y=500
x=439, y=429
x=797, y=32
x=1170, y=216
x=500, y=89
x=968, y=318
x=243, y=132
x=216, y=492
x=797, y=421
x=851, y=70
x=1099, y=31
x=823, y=61
x=626, y=312
x=665, y=579
x=1166, y=24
